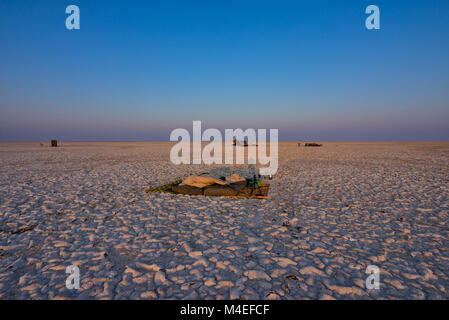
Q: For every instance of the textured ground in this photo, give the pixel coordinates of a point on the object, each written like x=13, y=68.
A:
x=331, y=212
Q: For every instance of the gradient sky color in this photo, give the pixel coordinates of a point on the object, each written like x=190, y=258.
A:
x=136, y=70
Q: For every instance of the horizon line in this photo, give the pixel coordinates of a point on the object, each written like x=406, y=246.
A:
x=167, y=141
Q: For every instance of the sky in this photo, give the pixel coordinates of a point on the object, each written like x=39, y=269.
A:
x=136, y=70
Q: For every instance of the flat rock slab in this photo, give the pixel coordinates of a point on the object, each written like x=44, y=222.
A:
x=189, y=190
x=217, y=190
x=238, y=189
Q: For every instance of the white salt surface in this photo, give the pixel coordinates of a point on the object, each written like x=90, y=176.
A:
x=331, y=212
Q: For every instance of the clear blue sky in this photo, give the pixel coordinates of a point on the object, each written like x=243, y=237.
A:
x=138, y=69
